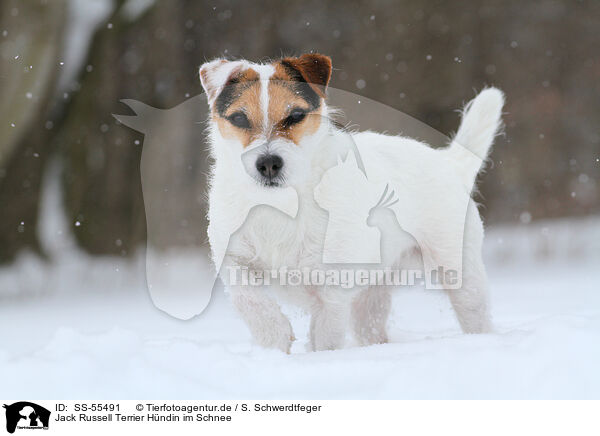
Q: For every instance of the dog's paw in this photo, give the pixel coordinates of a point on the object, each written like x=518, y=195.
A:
x=323, y=341
x=279, y=338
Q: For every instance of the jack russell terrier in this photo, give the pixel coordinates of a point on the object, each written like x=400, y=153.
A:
x=271, y=132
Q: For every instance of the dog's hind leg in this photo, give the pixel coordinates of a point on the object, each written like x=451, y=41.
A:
x=370, y=312
x=471, y=300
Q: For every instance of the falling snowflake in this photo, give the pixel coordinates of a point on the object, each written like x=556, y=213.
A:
x=525, y=217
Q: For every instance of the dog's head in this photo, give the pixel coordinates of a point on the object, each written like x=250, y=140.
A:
x=266, y=119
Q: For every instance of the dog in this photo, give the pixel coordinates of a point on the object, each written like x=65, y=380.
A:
x=270, y=129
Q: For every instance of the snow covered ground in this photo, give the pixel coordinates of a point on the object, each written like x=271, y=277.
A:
x=93, y=332
x=85, y=328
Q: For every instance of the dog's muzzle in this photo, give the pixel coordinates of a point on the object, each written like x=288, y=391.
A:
x=269, y=168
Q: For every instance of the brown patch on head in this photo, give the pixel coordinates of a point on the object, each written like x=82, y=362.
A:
x=296, y=90
x=295, y=93
x=313, y=69
x=239, y=99
x=290, y=115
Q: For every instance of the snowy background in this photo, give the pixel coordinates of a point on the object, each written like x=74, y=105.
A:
x=76, y=319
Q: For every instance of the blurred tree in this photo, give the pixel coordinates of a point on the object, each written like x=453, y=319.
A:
x=29, y=51
x=423, y=58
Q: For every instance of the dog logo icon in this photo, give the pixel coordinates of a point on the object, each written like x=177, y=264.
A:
x=26, y=415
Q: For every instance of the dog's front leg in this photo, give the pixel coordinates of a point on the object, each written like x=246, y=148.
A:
x=263, y=316
x=329, y=319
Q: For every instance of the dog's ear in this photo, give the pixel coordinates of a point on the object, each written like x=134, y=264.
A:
x=314, y=69
x=214, y=75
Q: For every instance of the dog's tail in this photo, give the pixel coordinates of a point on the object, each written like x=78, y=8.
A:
x=481, y=121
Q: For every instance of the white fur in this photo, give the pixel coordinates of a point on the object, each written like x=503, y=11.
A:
x=431, y=185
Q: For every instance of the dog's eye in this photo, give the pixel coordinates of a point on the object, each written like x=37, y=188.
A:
x=295, y=116
x=239, y=119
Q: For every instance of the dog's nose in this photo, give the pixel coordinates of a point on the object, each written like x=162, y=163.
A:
x=269, y=165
